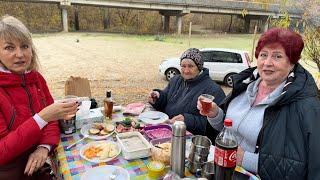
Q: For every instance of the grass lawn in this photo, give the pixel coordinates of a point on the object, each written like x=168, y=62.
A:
x=126, y=64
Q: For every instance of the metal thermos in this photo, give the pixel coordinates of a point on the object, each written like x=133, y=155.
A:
x=178, y=148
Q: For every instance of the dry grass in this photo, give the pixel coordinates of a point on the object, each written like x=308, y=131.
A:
x=126, y=65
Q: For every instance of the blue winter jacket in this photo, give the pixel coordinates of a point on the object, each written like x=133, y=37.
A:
x=180, y=97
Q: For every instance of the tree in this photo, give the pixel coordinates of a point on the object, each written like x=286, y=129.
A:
x=311, y=27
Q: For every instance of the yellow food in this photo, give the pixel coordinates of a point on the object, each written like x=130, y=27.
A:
x=101, y=129
x=101, y=151
x=94, y=131
x=162, y=153
x=92, y=152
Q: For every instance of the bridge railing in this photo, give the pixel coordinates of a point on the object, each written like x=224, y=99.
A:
x=226, y=4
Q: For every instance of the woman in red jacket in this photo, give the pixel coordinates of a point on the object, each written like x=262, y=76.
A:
x=28, y=126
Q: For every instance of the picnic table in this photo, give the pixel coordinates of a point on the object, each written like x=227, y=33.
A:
x=70, y=165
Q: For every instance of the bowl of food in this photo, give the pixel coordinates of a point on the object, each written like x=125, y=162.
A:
x=133, y=145
x=161, y=150
x=159, y=131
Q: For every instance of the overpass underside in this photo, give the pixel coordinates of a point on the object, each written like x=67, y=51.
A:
x=179, y=8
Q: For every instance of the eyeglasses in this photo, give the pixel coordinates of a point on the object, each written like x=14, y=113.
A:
x=274, y=56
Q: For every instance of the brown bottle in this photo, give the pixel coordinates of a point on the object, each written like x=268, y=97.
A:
x=108, y=105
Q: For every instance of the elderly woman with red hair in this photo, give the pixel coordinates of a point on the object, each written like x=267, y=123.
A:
x=275, y=111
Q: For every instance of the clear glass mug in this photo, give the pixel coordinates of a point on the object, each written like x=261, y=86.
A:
x=206, y=102
x=68, y=126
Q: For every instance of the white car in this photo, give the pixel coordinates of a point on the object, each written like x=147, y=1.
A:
x=222, y=64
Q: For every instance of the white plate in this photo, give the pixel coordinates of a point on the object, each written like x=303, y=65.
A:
x=104, y=172
x=85, y=131
x=153, y=117
x=97, y=160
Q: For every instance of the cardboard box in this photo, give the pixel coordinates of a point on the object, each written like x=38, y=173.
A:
x=94, y=116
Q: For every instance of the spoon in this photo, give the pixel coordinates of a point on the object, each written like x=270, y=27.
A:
x=84, y=137
x=114, y=174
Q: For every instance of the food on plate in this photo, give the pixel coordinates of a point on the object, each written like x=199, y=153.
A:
x=158, y=133
x=101, y=129
x=103, y=132
x=161, y=152
x=128, y=125
x=102, y=151
x=109, y=127
x=94, y=131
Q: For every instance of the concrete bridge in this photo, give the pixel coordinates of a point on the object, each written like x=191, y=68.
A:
x=179, y=8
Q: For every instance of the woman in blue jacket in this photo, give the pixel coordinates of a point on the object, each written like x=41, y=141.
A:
x=179, y=98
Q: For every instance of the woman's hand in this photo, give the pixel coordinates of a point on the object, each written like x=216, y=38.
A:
x=153, y=96
x=179, y=117
x=211, y=112
x=59, y=110
x=36, y=160
x=240, y=154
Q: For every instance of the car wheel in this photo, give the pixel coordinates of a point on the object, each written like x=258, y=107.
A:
x=228, y=79
x=171, y=72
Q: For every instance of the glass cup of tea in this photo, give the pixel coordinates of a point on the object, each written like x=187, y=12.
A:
x=68, y=99
x=68, y=125
x=206, y=102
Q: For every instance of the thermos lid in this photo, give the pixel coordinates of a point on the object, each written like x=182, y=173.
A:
x=179, y=128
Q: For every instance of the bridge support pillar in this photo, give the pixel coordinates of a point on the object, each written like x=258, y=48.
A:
x=179, y=24
x=166, y=24
x=265, y=24
x=246, y=24
x=64, y=19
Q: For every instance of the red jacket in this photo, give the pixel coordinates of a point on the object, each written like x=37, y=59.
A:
x=21, y=96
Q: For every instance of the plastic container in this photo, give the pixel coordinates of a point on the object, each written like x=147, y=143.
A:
x=149, y=132
x=161, y=154
x=155, y=169
x=158, y=131
x=133, y=145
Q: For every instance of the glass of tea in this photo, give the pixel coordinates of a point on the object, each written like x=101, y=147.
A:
x=206, y=102
x=68, y=125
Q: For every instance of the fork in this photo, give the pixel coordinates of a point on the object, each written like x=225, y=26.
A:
x=114, y=174
x=84, y=137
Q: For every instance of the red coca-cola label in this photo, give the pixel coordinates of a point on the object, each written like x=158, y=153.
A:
x=225, y=157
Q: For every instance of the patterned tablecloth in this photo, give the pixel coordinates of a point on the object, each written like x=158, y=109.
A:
x=70, y=165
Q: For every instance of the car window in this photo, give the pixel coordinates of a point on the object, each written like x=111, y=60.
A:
x=225, y=57
x=207, y=56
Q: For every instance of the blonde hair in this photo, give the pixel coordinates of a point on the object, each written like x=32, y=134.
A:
x=13, y=29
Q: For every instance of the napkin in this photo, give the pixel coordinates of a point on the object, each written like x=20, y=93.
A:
x=84, y=109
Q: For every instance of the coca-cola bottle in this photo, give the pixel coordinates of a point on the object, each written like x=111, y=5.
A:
x=225, y=152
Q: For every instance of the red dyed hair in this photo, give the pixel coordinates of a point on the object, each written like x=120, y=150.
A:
x=291, y=42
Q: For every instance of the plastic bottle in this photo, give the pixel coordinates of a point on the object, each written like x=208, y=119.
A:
x=108, y=105
x=225, y=152
x=178, y=148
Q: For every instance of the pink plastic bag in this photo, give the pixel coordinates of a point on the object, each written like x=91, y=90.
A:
x=134, y=109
